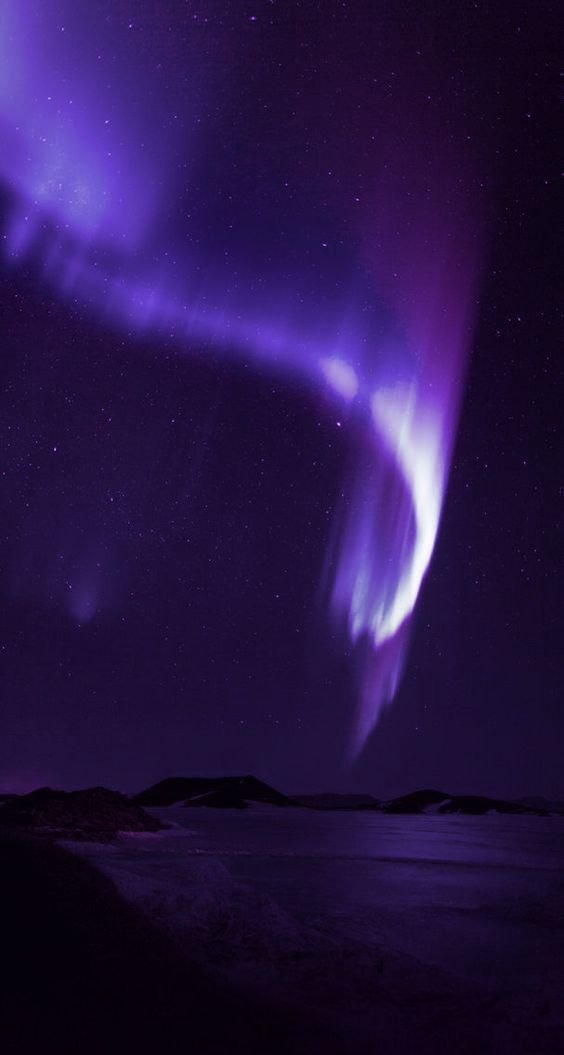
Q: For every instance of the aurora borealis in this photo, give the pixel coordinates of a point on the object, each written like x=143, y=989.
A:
x=88, y=176
x=296, y=201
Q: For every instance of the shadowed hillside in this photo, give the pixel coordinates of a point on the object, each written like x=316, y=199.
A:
x=226, y=792
x=86, y=972
x=91, y=813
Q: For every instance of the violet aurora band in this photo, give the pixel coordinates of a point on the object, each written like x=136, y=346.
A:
x=90, y=151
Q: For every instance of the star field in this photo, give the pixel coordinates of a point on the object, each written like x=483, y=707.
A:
x=166, y=515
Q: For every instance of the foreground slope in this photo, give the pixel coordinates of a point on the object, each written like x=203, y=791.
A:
x=402, y=934
x=84, y=971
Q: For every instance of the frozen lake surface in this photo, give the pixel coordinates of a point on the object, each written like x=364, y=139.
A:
x=420, y=933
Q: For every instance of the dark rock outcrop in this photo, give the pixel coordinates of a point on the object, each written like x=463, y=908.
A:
x=90, y=813
x=224, y=792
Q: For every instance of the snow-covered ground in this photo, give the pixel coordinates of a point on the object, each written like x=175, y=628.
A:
x=407, y=934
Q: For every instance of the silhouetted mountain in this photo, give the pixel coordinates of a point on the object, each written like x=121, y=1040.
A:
x=224, y=792
x=540, y=803
x=479, y=804
x=90, y=813
x=238, y=792
x=221, y=798
x=333, y=801
x=425, y=801
x=415, y=801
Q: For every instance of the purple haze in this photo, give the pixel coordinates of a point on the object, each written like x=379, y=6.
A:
x=89, y=147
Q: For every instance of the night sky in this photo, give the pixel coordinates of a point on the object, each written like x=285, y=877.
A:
x=168, y=503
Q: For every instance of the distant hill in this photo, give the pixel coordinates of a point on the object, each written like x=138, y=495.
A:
x=430, y=801
x=100, y=813
x=479, y=804
x=415, y=802
x=333, y=801
x=92, y=813
x=220, y=792
x=540, y=803
x=239, y=792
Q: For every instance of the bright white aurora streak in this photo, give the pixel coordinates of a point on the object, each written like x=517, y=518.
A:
x=84, y=199
x=416, y=447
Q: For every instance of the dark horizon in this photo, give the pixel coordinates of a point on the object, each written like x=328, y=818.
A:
x=24, y=786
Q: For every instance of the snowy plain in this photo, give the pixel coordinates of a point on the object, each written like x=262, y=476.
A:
x=405, y=934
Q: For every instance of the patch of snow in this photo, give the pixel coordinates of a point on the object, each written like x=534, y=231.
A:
x=449, y=927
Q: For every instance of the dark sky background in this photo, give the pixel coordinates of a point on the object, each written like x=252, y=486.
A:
x=195, y=497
